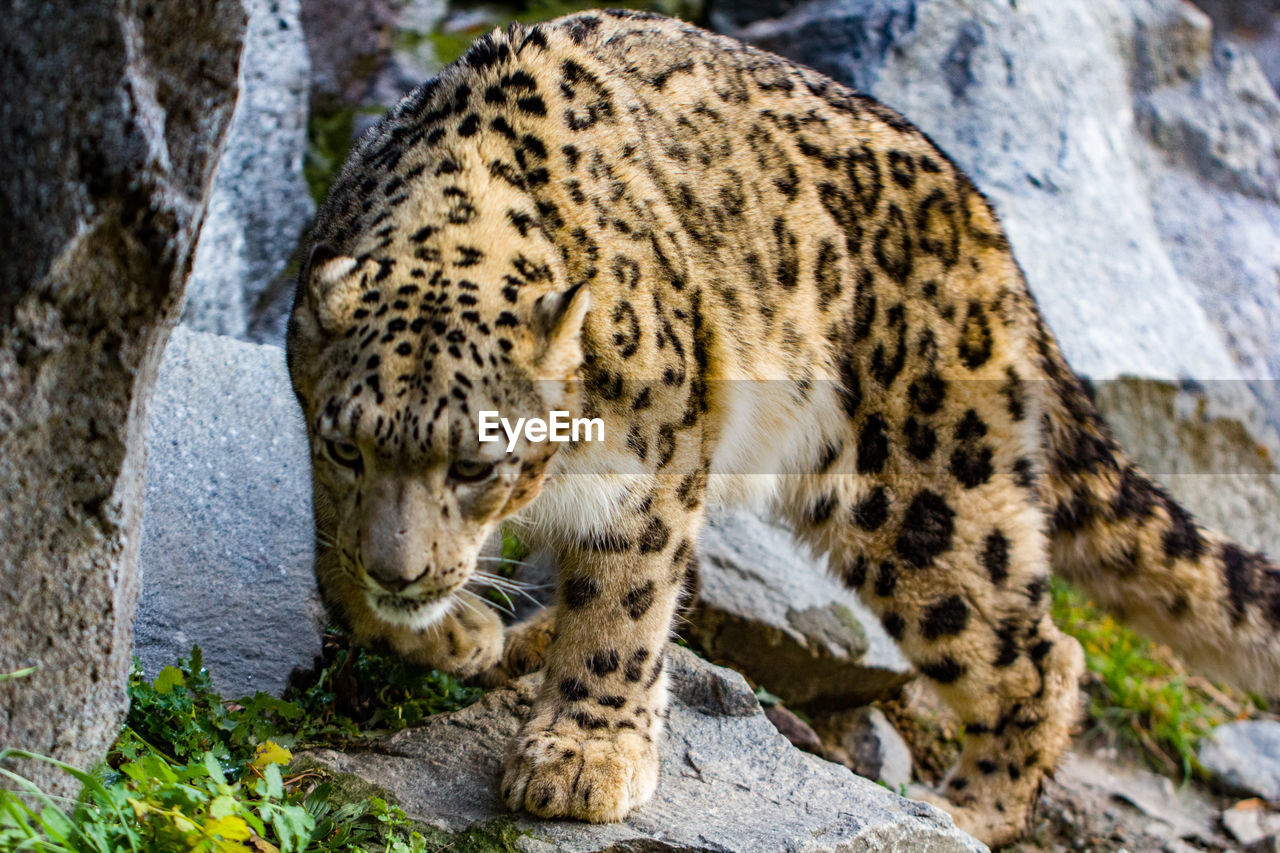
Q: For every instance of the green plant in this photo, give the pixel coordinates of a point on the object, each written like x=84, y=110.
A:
x=357, y=693
x=191, y=773
x=329, y=135
x=151, y=804
x=1139, y=693
x=17, y=673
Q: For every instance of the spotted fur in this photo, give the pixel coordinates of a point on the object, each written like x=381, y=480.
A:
x=768, y=287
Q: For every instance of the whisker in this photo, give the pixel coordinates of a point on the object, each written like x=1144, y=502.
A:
x=524, y=592
x=510, y=560
x=467, y=604
x=505, y=607
x=510, y=583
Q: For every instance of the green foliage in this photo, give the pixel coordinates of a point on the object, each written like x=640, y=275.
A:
x=357, y=692
x=153, y=804
x=19, y=673
x=191, y=773
x=328, y=140
x=1139, y=693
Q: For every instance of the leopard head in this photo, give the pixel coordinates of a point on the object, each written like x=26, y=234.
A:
x=392, y=362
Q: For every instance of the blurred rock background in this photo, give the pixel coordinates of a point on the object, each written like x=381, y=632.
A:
x=1132, y=148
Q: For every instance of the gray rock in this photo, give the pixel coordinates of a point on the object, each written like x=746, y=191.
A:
x=730, y=17
x=367, y=54
x=1099, y=801
x=797, y=732
x=260, y=202
x=1250, y=822
x=1245, y=756
x=110, y=116
x=1153, y=802
x=227, y=542
x=346, y=39
x=729, y=781
x=869, y=745
x=769, y=609
x=1253, y=23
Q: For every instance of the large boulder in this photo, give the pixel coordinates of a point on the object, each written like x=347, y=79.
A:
x=227, y=541
x=729, y=781
x=1136, y=165
x=260, y=203
x=112, y=117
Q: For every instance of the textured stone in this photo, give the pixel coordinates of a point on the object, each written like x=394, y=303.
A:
x=1253, y=23
x=1170, y=811
x=770, y=610
x=347, y=40
x=260, y=203
x=799, y=733
x=729, y=781
x=1250, y=822
x=866, y=742
x=1098, y=801
x=227, y=542
x=1245, y=756
x=110, y=116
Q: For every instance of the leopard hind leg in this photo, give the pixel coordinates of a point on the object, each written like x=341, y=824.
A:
x=957, y=572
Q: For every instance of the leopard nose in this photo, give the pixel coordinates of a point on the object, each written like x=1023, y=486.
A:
x=393, y=580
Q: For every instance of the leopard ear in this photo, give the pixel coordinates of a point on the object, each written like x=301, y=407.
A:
x=557, y=326
x=333, y=286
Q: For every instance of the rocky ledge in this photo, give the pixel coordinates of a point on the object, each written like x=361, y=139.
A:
x=729, y=781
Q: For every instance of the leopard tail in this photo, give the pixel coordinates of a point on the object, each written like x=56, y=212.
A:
x=1120, y=536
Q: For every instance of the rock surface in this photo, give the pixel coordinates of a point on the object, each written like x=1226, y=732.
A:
x=110, y=116
x=1251, y=822
x=227, y=544
x=729, y=781
x=1245, y=756
x=260, y=203
x=347, y=40
x=1102, y=804
x=797, y=732
x=1253, y=23
x=867, y=743
x=770, y=610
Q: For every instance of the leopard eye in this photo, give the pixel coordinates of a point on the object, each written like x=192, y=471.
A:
x=470, y=470
x=344, y=453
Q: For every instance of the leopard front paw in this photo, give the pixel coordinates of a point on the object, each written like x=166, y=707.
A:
x=565, y=772
x=525, y=648
x=995, y=828
x=464, y=643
